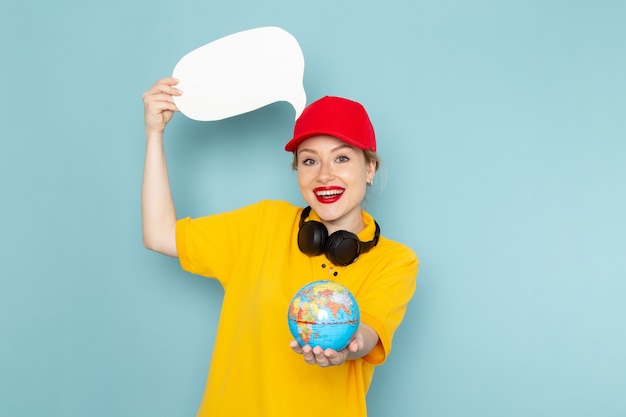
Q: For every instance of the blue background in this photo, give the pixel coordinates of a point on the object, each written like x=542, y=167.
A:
x=502, y=131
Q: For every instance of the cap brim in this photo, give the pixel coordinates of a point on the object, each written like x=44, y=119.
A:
x=293, y=144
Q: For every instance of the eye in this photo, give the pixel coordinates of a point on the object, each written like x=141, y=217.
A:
x=307, y=161
x=342, y=159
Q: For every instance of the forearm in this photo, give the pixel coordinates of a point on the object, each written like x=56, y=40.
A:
x=157, y=205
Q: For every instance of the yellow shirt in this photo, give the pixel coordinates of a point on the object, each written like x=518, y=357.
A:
x=253, y=253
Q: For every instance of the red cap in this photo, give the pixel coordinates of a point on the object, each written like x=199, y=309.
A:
x=338, y=117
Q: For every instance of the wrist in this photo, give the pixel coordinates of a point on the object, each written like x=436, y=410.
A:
x=154, y=135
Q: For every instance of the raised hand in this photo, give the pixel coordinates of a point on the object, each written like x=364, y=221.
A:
x=159, y=106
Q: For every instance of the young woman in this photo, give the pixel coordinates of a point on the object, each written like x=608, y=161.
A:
x=263, y=253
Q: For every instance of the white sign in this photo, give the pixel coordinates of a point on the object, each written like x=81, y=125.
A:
x=240, y=73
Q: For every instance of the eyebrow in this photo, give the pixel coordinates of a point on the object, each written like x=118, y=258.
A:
x=344, y=145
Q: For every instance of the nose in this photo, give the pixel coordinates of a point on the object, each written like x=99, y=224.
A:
x=325, y=172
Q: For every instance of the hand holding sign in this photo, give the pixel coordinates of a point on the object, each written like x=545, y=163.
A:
x=240, y=73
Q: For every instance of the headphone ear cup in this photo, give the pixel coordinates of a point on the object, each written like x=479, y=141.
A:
x=343, y=247
x=312, y=238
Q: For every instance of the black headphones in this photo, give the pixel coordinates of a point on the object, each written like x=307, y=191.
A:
x=341, y=247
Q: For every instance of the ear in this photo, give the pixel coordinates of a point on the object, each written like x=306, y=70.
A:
x=370, y=171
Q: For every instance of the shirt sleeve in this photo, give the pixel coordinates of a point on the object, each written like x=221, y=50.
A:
x=210, y=246
x=389, y=291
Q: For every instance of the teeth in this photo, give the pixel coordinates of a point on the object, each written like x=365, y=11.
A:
x=328, y=193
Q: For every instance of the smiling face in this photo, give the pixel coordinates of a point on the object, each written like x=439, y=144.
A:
x=333, y=176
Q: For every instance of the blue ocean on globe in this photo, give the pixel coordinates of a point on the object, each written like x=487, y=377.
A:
x=325, y=314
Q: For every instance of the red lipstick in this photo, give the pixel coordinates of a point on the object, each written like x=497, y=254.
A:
x=328, y=195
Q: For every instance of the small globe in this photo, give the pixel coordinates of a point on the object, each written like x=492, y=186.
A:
x=325, y=314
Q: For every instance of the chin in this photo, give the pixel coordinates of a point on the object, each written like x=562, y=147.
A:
x=328, y=212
